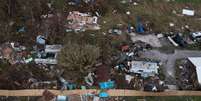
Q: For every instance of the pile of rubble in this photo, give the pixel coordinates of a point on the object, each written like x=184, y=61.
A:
x=18, y=54
x=140, y=74
x=15, y=53
x=81, y=21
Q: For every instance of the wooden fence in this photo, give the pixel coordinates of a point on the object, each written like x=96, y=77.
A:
x=116, y=92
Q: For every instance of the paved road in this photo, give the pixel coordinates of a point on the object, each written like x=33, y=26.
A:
x=169, y=59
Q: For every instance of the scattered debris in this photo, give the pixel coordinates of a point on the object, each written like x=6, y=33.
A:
x=115, y=31
x=171, y=24
x=128, y=12
x=7, y=52
x=129, y=78
x=40, y=40
x=188, y=12
x=160, y=35
x=21, y=30
x=172, y=41
x=49, y=55
x=48, y=96
x=154, y=84
x=89, y=79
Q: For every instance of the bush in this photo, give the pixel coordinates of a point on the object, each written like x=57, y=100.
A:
x=78, y=57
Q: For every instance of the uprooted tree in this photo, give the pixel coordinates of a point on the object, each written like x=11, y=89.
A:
x=78, y=57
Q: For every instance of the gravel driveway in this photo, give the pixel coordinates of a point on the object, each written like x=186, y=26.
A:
x=169, y=60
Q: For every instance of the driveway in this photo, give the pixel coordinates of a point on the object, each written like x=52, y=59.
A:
x=169, y=60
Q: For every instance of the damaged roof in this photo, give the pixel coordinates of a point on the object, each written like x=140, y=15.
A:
x=78, y=17
x=196, y=61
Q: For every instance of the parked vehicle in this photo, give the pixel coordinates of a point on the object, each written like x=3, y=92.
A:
x=179, y=40
x=195, y=36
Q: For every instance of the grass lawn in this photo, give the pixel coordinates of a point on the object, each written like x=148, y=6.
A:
x=160, y=13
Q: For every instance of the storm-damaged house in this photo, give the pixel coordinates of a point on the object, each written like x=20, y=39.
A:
x=82, y=21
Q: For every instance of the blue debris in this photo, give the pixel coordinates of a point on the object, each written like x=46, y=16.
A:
x=139, y=27
x=93, y=2
x=83, y=87
x=103, y=94
x=77, y=2
x=107, y=85
x=21, y=30
x=71, y=86
x=40, y=39
x=62, y=98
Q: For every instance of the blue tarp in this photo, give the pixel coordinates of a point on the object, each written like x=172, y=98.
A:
x=107, y=85
x=103, y=94
x=139, y=27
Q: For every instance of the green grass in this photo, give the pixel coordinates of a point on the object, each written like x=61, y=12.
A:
x=195, y=46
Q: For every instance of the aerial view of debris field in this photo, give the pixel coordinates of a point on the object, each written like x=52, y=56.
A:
x=100, y=50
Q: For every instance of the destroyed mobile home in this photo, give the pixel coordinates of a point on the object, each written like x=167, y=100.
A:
x=15, y=53
x=48, y=55
x=82, y=21
x=139, y=74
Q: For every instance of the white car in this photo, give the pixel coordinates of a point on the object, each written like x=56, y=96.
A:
x=196, y=36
